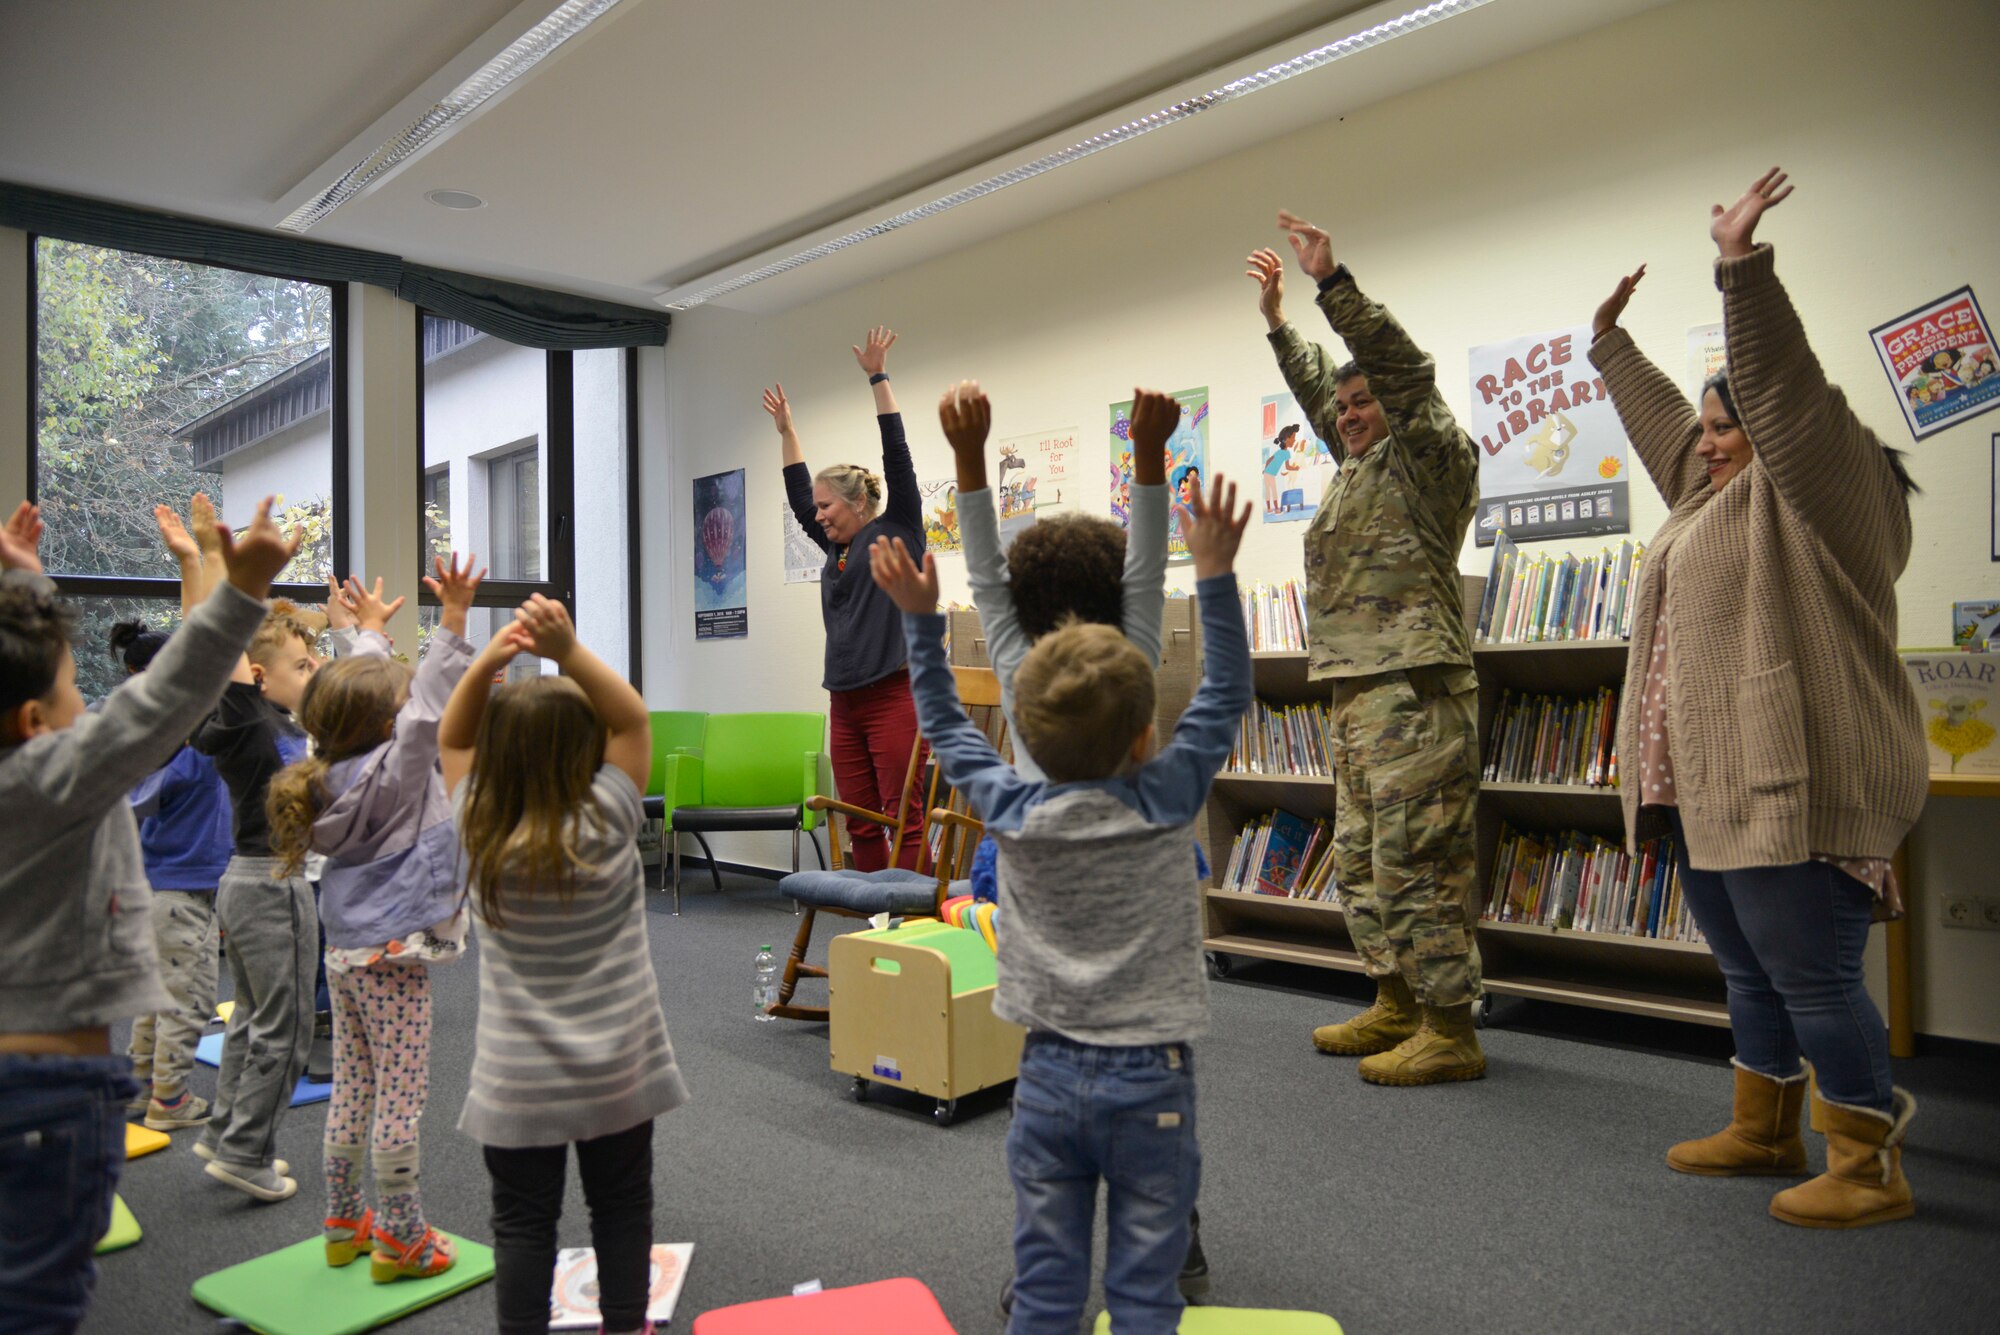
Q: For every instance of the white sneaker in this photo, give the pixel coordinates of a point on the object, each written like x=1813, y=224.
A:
x=266, y=1184
x=207, y=1155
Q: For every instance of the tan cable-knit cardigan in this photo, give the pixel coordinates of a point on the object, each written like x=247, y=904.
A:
x=1792, y=727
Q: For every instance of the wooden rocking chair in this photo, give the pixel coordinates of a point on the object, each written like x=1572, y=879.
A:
x=952, y=835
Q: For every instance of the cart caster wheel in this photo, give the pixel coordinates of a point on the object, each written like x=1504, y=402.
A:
x=1219, y=964
x=860, y=1090
x=1482, y=1014
x=946, y=1112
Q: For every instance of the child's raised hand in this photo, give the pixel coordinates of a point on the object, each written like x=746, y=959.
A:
x=201, y=516
x=180, y=543
x=966, y=416
x=1215, y=529
x=897, y=575
x=254, y=557
x=875, y=357
x=780, y=408
x=20, y=541
x=546, y=622
x=339, y=610
x=1154, y=417
x=454, y=586
x=371, y=611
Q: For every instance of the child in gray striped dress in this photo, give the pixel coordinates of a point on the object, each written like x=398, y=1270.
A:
x=571, y=1045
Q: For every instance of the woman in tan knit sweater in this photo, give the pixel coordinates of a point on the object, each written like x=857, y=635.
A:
x=1767, y=723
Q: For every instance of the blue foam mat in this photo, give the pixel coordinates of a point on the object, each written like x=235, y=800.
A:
x=209, y=1053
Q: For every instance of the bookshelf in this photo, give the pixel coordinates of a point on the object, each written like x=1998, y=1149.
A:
x=1673, y=980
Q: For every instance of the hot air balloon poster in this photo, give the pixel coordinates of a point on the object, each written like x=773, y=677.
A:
x=721, y=590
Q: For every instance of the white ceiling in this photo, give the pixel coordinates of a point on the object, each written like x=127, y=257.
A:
x=678, y=142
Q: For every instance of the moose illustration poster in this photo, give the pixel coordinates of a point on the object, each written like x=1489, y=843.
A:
x=1553, y=458
x=721, y=590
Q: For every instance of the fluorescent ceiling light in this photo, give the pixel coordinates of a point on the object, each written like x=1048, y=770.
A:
x=1317, y=58
x=487, y=82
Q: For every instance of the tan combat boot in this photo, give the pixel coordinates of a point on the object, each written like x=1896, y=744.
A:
x=1445, y=1047
x=1762, y=1138
x=1863, y=1182
x=1393, y=1018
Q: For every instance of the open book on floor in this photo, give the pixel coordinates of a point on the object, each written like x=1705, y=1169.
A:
x=573, y=1299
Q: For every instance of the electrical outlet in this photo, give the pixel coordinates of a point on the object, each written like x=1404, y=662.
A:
x=1978, y=912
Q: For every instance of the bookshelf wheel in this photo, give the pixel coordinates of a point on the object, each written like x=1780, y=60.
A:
x=946, y=1112
x=860, y=1089
x=1219, y=964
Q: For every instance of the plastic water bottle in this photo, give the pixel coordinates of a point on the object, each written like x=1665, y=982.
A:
x=767, y=983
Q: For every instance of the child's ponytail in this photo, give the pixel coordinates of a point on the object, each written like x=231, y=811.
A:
x=296, y=797
x=348, y=709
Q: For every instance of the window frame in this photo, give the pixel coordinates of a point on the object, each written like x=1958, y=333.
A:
x=150, y=586
x=558, y=454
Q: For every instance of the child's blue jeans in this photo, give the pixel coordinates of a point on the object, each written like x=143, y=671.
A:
x=62, y=1146
x=1125, y=1115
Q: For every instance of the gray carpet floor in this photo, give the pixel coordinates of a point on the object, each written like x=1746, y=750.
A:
x=1532, y=1201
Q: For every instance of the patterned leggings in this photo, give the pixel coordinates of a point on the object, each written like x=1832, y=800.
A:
x=381, y=1075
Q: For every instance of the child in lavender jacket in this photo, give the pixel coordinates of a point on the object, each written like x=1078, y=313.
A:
x=371, y=801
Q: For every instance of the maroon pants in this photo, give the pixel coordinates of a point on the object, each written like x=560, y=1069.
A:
x=873, y=728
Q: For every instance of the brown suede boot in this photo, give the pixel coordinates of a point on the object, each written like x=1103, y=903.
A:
x=1762, y=1138
x=1393, y=1018
x=1863, y=1183
x=1444, y=1048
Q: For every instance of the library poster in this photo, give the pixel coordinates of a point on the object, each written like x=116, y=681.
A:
x=1708, y=352
x=1036, y=475
x=940, y=504
x=1941, y=360
x=803, y=558
x=1297, y=466
x=1187, y=463
x=1553, y=457
x=721, y=589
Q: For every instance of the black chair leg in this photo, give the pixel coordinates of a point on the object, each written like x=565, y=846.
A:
x=714, y=873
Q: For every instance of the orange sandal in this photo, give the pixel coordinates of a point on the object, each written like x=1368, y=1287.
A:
x=342, y=1251
x=393, y=1261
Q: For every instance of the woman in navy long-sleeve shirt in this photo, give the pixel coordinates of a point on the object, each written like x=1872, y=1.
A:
x=873, y=720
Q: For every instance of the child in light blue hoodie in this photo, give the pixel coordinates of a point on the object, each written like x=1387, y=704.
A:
x=371, y=801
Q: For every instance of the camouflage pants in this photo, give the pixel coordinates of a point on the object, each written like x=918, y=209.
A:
x=1406, y=761
x=162, y=1047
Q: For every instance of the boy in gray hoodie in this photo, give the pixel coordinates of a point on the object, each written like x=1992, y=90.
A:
x=76, y=938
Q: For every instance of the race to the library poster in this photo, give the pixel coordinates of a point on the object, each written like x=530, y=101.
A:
x=1553, y=456
x=1187, y=463
x=1942, y=361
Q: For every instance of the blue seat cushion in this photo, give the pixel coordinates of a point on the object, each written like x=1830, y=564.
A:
x=892, y=890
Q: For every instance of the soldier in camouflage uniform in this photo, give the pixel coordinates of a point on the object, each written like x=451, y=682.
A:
x=1386, y=624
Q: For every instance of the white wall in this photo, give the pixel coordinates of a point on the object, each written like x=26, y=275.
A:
x=1498, y=203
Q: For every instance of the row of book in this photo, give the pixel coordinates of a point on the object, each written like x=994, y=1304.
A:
x=1530, y=599
x=1283, y=854
x=1585, y=883
x=1284, y=739
x=1554, y=739
x=1274, y=615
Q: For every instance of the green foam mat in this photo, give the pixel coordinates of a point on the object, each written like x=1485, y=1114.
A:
x=972, y=963
x=124, y=1230
x=293, y=1291
x=1241, y=1321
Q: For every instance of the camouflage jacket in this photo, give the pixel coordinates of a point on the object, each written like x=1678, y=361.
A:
x=1382, y=582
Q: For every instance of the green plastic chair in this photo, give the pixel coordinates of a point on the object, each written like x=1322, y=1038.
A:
x=675, y=732
x=752, y=772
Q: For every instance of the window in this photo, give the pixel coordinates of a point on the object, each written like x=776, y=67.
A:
x=155, y=379
x=516, y=443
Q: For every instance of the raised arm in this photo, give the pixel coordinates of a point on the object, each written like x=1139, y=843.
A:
x=1144, y=586
x=1174, y=784
x=967, y=759
x=902, y=503
x=458, y=729
x=1662, y=425
x=622, y=710
x=798, y=478
x=1401, y=376
x=1826, y=464
x=1307, y=368
x=966, y=416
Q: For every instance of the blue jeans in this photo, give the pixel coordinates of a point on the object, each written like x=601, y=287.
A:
x=62, y=1146
x=1125, y=1115
x=1789, y=941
